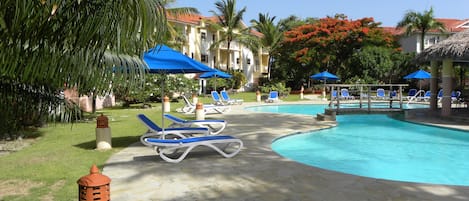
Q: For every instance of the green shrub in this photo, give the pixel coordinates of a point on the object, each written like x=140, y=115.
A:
x=279, y=86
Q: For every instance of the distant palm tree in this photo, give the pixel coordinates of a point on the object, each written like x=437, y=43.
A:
x=272, y=36
x=420, y=22
x=230, y=24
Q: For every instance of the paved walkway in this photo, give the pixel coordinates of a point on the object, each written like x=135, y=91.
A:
x=256, y=173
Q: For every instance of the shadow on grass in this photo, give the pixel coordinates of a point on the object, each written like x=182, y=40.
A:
x=117, y=142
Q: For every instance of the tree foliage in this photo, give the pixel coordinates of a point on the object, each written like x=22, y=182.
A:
x=337, y=44
x=151, y=90
x=420, y=22
x=271, y=36
x=229, y=24
x=49, y=45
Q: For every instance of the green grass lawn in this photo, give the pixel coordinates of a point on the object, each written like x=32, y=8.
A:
x=50, y=167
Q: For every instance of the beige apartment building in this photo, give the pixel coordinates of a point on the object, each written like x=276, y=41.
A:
x=198, y=37
x=411, y=43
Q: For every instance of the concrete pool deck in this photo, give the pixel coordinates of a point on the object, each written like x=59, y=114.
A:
x=256, y=173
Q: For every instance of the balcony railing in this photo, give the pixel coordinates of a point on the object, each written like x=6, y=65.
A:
x=233, y=46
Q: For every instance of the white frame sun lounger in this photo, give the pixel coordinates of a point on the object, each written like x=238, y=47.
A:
x=215, y=126
x=166, y=148
x=226, y=98
x=208, y=108
x=155, y=131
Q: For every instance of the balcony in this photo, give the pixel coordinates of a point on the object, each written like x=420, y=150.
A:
x=233, y=46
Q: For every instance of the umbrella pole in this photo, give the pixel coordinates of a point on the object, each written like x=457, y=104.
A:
x=324, y=91
x=162, y=106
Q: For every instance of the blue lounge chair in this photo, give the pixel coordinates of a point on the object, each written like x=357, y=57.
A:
x=455, y=96
x=155, y=131
x=345, y=95
x=393, y=94
x=189, y=107
x=440, y=95
x=411, y=94
x=226, y=98
x=167, y=148
x=333, y=95
x=273, y=97
x=380, y=93
x=216, y=98
x=214, y=126
x=425, y=97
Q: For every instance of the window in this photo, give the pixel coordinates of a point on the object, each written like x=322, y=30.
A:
x=432, y=40
x=213, y=37
x=248, y=61
x=204, y=58
x=203, y=35
x=237, y=60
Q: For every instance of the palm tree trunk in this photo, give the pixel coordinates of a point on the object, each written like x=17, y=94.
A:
x=422, y=41
x=228, y=56
x=268, y=66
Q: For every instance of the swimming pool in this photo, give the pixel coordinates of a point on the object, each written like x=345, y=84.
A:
x=379, y=146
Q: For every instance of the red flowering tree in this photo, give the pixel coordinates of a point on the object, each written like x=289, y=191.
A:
x=330, y=43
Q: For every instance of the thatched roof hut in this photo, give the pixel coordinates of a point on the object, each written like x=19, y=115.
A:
x=456, y=47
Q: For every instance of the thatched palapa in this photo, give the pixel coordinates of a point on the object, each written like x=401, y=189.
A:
x=456, y=47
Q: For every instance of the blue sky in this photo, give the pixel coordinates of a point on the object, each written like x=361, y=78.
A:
x=389, y=12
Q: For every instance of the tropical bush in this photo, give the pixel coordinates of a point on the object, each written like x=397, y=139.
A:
x=150, y=90
x=278, y=86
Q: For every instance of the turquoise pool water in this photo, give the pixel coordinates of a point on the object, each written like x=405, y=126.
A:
x=379, y=146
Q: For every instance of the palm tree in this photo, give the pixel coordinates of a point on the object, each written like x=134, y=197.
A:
x=230, y=24
x=272, y=36
x=420, y=22
x=79, y=44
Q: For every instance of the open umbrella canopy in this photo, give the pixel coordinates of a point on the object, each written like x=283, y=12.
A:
x=420, y=74
x=324, y=76
x=215, y=74
x=163, y=59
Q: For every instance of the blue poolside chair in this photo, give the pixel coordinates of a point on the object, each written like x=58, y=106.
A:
x=226, y=99
x=425, y=97
x=333, y=94
x=155, y=131
x=344, y=94
x=440, y=95
x=380, y=93
x=214, y=126
x=273, y=97
x=455, y=96
x=166, y=148
x=411, y=94
x=216, y=98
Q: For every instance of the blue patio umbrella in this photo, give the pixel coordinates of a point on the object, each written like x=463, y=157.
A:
x=214, y=74
x=419, y=75
x=324, y=76
x=164, y=60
